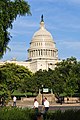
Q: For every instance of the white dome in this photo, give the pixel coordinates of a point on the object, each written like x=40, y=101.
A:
x=42, y=32
x=43, y=37
x=42, y=45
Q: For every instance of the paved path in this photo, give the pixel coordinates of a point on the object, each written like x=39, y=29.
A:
x=55, y=106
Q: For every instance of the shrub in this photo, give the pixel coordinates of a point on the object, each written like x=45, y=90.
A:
x=14, y=113
x=9, y=113
x=63, y=115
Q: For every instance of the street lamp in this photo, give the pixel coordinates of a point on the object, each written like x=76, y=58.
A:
x=42, y=94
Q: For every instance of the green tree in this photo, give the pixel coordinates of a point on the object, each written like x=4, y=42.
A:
x=57, y=82
x=77, y=72
x=41, y=78
x=66, y=78
x=9, y=10
x=13, y=77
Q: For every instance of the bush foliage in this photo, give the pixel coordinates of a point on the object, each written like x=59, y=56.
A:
x=16, y=113
x=12, y=113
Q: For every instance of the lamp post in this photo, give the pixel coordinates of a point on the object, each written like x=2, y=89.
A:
x=42, y=94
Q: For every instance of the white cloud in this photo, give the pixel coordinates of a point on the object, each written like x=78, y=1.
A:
x=70, y=44
x=73, y=1
x=23, y=27
x=53, y=1
x=68, y=1
x=20, y=32
x=23, y=23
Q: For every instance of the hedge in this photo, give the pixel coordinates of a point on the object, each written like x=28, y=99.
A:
x=14, y=113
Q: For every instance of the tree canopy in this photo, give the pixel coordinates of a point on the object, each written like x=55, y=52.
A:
x=9, y=10
x=66, y=78
x=12, y=77
x=63, y=80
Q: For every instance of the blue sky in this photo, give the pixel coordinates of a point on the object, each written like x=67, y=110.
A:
x=62, y=20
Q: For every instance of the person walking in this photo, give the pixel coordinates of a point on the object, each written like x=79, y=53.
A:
x=36, y=105
x=14, y=101
x=46, y=108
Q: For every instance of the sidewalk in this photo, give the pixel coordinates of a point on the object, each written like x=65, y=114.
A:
x=25, y=104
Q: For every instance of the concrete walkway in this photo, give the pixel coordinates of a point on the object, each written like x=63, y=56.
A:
x=25, y=104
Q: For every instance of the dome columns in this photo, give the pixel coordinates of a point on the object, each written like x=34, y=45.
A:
x=42, y=45
x=42, y=52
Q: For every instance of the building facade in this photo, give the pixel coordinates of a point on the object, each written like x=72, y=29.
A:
x=42, y=53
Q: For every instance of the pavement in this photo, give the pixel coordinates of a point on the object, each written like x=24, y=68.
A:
x=22, y=103
x=53, y=107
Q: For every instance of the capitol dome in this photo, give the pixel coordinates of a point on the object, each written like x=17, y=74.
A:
x=42, y=53
x=42, y=45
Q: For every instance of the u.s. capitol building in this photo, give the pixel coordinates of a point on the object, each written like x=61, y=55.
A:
x=42, y=53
